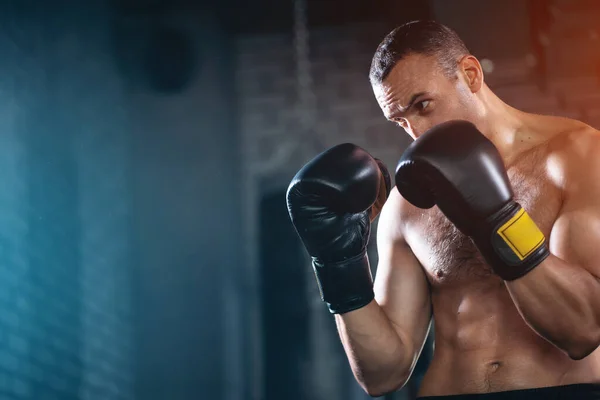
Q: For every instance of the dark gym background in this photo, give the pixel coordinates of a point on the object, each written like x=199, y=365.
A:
x=145, y=149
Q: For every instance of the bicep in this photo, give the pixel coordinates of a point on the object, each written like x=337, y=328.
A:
x=580, y=216
x=576, y=237
x=401, y=288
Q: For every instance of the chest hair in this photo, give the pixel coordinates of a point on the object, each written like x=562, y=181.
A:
x=449, y=257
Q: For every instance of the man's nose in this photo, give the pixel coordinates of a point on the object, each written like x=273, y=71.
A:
x=414, y=128
x=418, y=128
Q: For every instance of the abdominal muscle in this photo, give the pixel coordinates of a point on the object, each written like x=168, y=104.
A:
x=483, y=345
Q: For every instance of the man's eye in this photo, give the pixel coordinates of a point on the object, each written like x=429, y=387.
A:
x=401, y=122
x=423, y=105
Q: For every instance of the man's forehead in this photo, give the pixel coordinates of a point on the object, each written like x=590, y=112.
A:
x=397, y=94
x=409, y=76
x=414, y=67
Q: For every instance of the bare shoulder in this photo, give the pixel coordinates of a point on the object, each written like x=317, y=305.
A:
x=574, y=153
x=573, y=137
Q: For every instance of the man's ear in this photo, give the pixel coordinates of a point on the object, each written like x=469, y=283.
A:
x=471, y=70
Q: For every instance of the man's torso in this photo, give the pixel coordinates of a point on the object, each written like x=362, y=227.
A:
x=482, y=344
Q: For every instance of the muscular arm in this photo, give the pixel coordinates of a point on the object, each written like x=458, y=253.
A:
x=561, y=302
x=560, y=299
x=384, y=339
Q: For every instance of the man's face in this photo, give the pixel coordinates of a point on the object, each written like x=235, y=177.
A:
x=417, y=95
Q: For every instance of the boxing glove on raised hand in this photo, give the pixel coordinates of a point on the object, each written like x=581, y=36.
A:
x=455, y=167
x=332, y=201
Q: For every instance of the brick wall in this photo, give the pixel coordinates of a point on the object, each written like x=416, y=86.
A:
x=345, y=109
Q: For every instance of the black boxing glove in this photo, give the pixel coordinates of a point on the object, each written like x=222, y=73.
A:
x=455, y=167
x=332, y=201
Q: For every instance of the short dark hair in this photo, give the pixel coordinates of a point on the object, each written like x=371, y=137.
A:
x=428, y=37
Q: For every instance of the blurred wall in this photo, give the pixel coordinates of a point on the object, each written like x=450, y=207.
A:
x=120, y=205
x=186, y=202
x=491, y=29
x=65, y=298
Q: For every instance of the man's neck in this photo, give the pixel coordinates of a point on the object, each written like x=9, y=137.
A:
x=503, y=125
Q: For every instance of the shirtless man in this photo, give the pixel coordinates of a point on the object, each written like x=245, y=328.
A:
x=516, y=316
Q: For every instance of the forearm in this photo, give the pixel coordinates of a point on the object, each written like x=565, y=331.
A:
x=561, y=302
x=380, y=359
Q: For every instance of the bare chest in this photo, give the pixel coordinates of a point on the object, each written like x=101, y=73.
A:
x=449, y=257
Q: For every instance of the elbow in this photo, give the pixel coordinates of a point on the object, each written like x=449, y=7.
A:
x=381, y=391
x=375, y=392
x=581, y=353
x=584, y=346
x=384, y=388
x=378, y=391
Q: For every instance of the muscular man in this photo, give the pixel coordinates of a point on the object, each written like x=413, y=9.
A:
x=492, y=230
